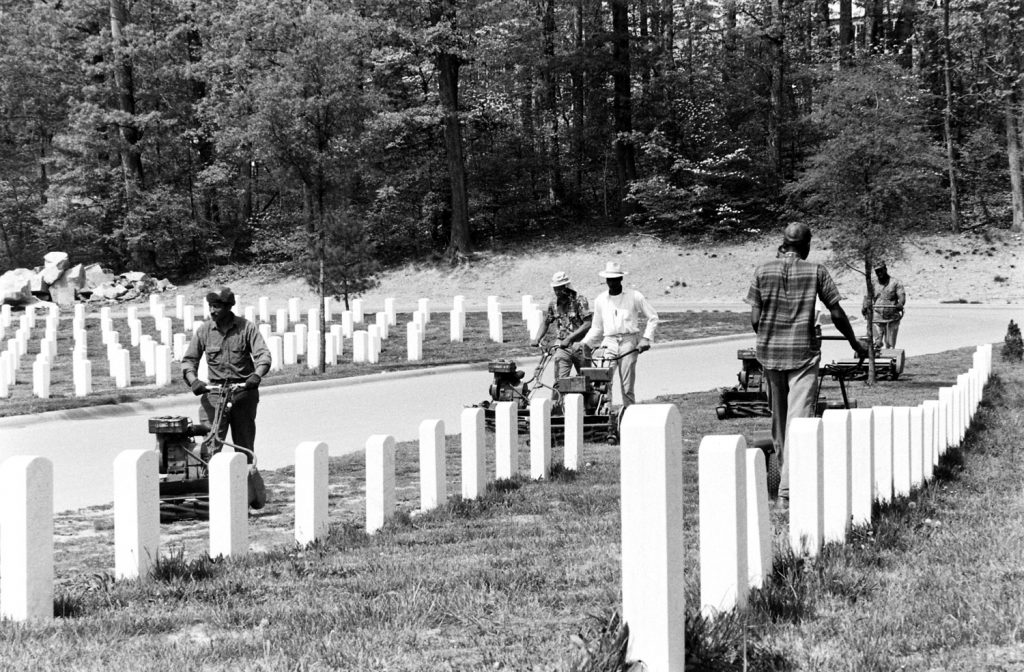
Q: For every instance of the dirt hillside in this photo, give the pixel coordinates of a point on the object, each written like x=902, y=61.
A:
x=986, y=268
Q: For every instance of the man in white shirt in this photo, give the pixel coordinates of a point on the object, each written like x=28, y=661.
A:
x=616, y=327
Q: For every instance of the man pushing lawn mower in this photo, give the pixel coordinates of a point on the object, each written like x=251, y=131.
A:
x=238, y=359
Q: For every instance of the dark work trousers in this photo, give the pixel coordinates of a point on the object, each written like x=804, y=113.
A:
x=241, y=418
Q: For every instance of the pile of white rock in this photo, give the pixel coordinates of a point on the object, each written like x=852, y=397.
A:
x=57, y=281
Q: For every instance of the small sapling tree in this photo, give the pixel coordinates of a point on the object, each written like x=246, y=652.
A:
x=875, y=175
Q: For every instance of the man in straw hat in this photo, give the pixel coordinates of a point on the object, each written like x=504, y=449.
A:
x=890, y=298
x=782, y=300
x=616, y=327
x=571, y=314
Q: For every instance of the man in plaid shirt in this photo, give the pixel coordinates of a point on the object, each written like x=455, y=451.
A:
x=571, y=314
x=782, y=301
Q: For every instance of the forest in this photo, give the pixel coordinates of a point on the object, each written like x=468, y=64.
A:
x=172, y=135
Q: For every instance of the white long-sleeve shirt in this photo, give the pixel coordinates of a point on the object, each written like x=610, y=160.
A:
x=619, y=315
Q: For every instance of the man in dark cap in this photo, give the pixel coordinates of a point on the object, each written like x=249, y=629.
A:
x=236, y=355
x=782, y=300
x=890, y=297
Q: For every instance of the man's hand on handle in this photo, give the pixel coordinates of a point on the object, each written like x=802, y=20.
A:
x=644, y=345
x=199, y=387
x=253, y=381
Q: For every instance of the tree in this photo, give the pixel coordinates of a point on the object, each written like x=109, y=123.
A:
x=877, y=173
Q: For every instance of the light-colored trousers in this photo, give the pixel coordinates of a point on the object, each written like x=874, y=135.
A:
x=886, y=333
x=613, y=346
x=792, y=393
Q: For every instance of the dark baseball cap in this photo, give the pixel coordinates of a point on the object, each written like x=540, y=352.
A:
x=224, y=297
x=797, y=233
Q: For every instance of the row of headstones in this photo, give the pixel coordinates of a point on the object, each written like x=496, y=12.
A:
x=26, y=496
x=839, y=465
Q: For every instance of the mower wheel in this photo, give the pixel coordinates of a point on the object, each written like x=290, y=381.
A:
x=722, y=412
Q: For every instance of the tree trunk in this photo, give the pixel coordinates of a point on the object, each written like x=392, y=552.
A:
x=448, y=86
x=625, y=157
x=668, y=32
x=947, y=125
x=1013, y=145
x=903, y=31
x=776, y=50
x=131, y=159
x=556, y=191
x=822, y=32
x=579, y=101
x=872, y=377
x=845, y=31
x=874, y=25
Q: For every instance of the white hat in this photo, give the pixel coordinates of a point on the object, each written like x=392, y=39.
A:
x=612, y=269
x=559, y=278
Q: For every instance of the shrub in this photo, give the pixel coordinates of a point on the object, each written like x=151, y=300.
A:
x=1013, y=346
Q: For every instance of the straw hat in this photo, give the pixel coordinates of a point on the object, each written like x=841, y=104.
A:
x=612, y=269
x=559, y=278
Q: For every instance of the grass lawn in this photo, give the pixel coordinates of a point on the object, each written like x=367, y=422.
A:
x=527, y=577
x=437, y=350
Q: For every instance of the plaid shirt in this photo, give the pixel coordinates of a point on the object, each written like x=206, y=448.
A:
x=568, y=318
x=785, y=290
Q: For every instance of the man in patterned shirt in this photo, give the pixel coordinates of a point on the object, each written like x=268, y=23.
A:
x=571, y=314
x=890, y=298
x=782, y=300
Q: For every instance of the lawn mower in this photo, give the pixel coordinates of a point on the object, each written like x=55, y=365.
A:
x=750, y=397
x=184, y=465
x=594, y=383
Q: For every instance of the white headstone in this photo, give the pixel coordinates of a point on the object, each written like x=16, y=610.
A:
x=136, y=513
x=459, y=303
x=653, y=585
x=188, y=317
x=506, y=439
x=527, y=304
x=722, y=486
x=496, y=330
x=229, y=506
x=290, y=357
x=474, y=474
x=862, y=465
x=901, y=468
x=121, y=369
x=540, y=437
x=301, y=332
x=837, y=467
x=389, y=309
x=263, y=308
x=162, y=365
x=380, y=481
x=328, y=309
x=414, y=342
x=572, y=405
x=759, y=529
x=433, y=484
x=424, y=307
x=347, y=322
x=281, y=320
x=41, y=378
x=945, y=419
x=82, y=374
x=457, y=321
x=249, y=313
x=382, y=324
x=917, y=455
x=311, y=468
x=357, y=311
x=804, y=443
x=930, y=411
x=180, y=346
x=360, y=346
x=313, y=350
x=276, y=346
x=294, y=310
x=883, y=454
x=26, y=537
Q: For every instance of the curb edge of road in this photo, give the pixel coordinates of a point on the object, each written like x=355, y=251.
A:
x=157, y=403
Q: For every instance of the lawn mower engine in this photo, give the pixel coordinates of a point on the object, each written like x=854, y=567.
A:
x=176, y=446
x=507, y=384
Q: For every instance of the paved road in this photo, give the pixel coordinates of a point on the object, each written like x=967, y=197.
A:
x=83, y=443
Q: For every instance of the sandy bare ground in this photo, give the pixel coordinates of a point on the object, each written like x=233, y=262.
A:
x=986, y=268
